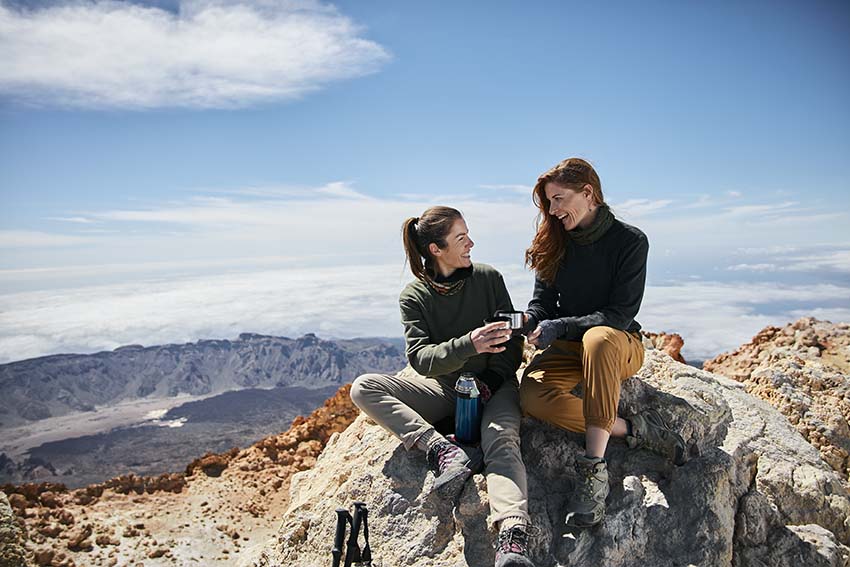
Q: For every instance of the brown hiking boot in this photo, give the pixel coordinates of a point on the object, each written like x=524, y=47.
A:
x=649, y=431
x=587, y=504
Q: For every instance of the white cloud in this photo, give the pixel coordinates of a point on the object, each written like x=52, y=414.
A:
x=37, y=239
x=355, y=300
x=636, y=208
x=810, y=258
x=714, y=317
x=80, y=220
x=211, y=54
x=753, y=268
x=524, y=190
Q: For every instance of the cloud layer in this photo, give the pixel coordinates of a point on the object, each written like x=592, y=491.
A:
x=353, y=301
x=210, y=54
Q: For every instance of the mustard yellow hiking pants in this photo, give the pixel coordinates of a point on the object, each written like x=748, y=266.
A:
x=598, y=363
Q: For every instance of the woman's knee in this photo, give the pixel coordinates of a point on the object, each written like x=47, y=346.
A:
x=600, y=341
x=360, y=389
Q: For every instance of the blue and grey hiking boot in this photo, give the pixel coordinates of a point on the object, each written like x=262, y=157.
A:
x=512, y=547
x=587, y=504
x=451, y=468
x=650, y=431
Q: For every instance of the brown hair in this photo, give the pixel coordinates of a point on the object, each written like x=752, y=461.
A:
x=547, y=248
x=417, y=233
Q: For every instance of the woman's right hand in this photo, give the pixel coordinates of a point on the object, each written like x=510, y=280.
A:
x=487, y=337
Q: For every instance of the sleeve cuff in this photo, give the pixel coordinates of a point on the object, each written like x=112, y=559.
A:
x=465, y=346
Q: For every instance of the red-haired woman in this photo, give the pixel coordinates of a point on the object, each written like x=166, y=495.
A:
x=590, y=273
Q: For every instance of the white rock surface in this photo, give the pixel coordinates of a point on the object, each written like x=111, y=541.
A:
x=757, y=493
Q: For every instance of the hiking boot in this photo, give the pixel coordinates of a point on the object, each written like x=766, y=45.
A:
x=512, y=548
x=649, y=431
x=451, y=468
x=587, y=504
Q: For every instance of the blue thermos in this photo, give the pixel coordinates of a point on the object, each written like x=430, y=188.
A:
x=467, y=410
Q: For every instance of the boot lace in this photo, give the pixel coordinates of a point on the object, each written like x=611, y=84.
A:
x=513, y=540
x=441, y=455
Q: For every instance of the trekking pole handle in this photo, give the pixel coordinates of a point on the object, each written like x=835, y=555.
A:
x=352, y=549
x=342, y=519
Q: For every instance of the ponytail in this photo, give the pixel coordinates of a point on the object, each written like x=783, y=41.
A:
x=417, y=234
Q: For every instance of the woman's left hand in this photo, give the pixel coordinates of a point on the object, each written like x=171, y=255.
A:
x=545, y=333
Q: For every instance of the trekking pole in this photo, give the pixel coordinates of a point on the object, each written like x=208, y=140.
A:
x=352, y=550
x=342, y=518
x=366, y=553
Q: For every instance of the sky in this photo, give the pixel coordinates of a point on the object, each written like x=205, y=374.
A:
x=179, y=170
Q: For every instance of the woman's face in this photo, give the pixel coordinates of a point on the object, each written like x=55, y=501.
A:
x=456, y=253
x=573, y=208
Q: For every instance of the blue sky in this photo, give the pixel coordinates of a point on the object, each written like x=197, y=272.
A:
x=147, y=149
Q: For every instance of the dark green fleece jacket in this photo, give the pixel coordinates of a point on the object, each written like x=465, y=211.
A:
x=437, y=328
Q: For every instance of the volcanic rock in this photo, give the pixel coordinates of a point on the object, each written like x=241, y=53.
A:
x=670, y=343
x=754, y=492
x=803, y=370
x=12, y=552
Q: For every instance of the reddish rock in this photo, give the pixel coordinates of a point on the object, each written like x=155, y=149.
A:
x=44, y=557
x=65, y=517
x=78, y=538
x=671, y=343
x=18, y=502
x=105, y=539
x=50, y=530
x=159, y=552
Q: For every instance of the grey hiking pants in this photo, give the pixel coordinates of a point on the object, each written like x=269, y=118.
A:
x=408, y=406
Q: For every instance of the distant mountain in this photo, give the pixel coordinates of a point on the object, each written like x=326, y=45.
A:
x=61, y=384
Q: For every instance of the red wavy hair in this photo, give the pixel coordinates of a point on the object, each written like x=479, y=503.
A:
x=547, y=248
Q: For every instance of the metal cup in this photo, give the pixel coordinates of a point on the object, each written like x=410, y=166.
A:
x=515, y=318
x=499, y=318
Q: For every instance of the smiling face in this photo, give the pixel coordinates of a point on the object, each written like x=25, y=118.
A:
x=456, y=252
x=575, y=209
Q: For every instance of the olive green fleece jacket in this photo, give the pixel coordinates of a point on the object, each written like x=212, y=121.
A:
x=437, y=328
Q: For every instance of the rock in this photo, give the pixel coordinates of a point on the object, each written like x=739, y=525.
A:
x=670, y=343
x=44, y=557
x=50, y=500
x=803, y=370
x=78, y=538
x=211, y=464
x=17, y=501
x=106, y=539
x=12, y=553
x=754, y=492
x=50, y=530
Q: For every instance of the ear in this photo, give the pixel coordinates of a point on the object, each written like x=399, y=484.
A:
x=434, y=249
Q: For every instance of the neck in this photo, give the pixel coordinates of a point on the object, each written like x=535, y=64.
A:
x=588, y=219
x=445, y=271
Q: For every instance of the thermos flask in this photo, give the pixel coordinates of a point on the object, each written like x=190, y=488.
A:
x=467, y=410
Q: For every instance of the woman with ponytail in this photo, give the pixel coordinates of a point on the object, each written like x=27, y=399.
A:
x=590, y=274
x=443, y=311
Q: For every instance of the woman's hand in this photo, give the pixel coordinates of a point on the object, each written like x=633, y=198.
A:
x=487, y=337
x=545, y=333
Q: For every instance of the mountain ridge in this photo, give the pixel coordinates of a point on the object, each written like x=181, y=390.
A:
x=60, y=384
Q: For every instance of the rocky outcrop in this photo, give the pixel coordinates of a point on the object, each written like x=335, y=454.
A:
x=754, y=492
x=803, y=370
x=57, y=385
x=670, y=343
x=205, y=516
x=11, y=539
